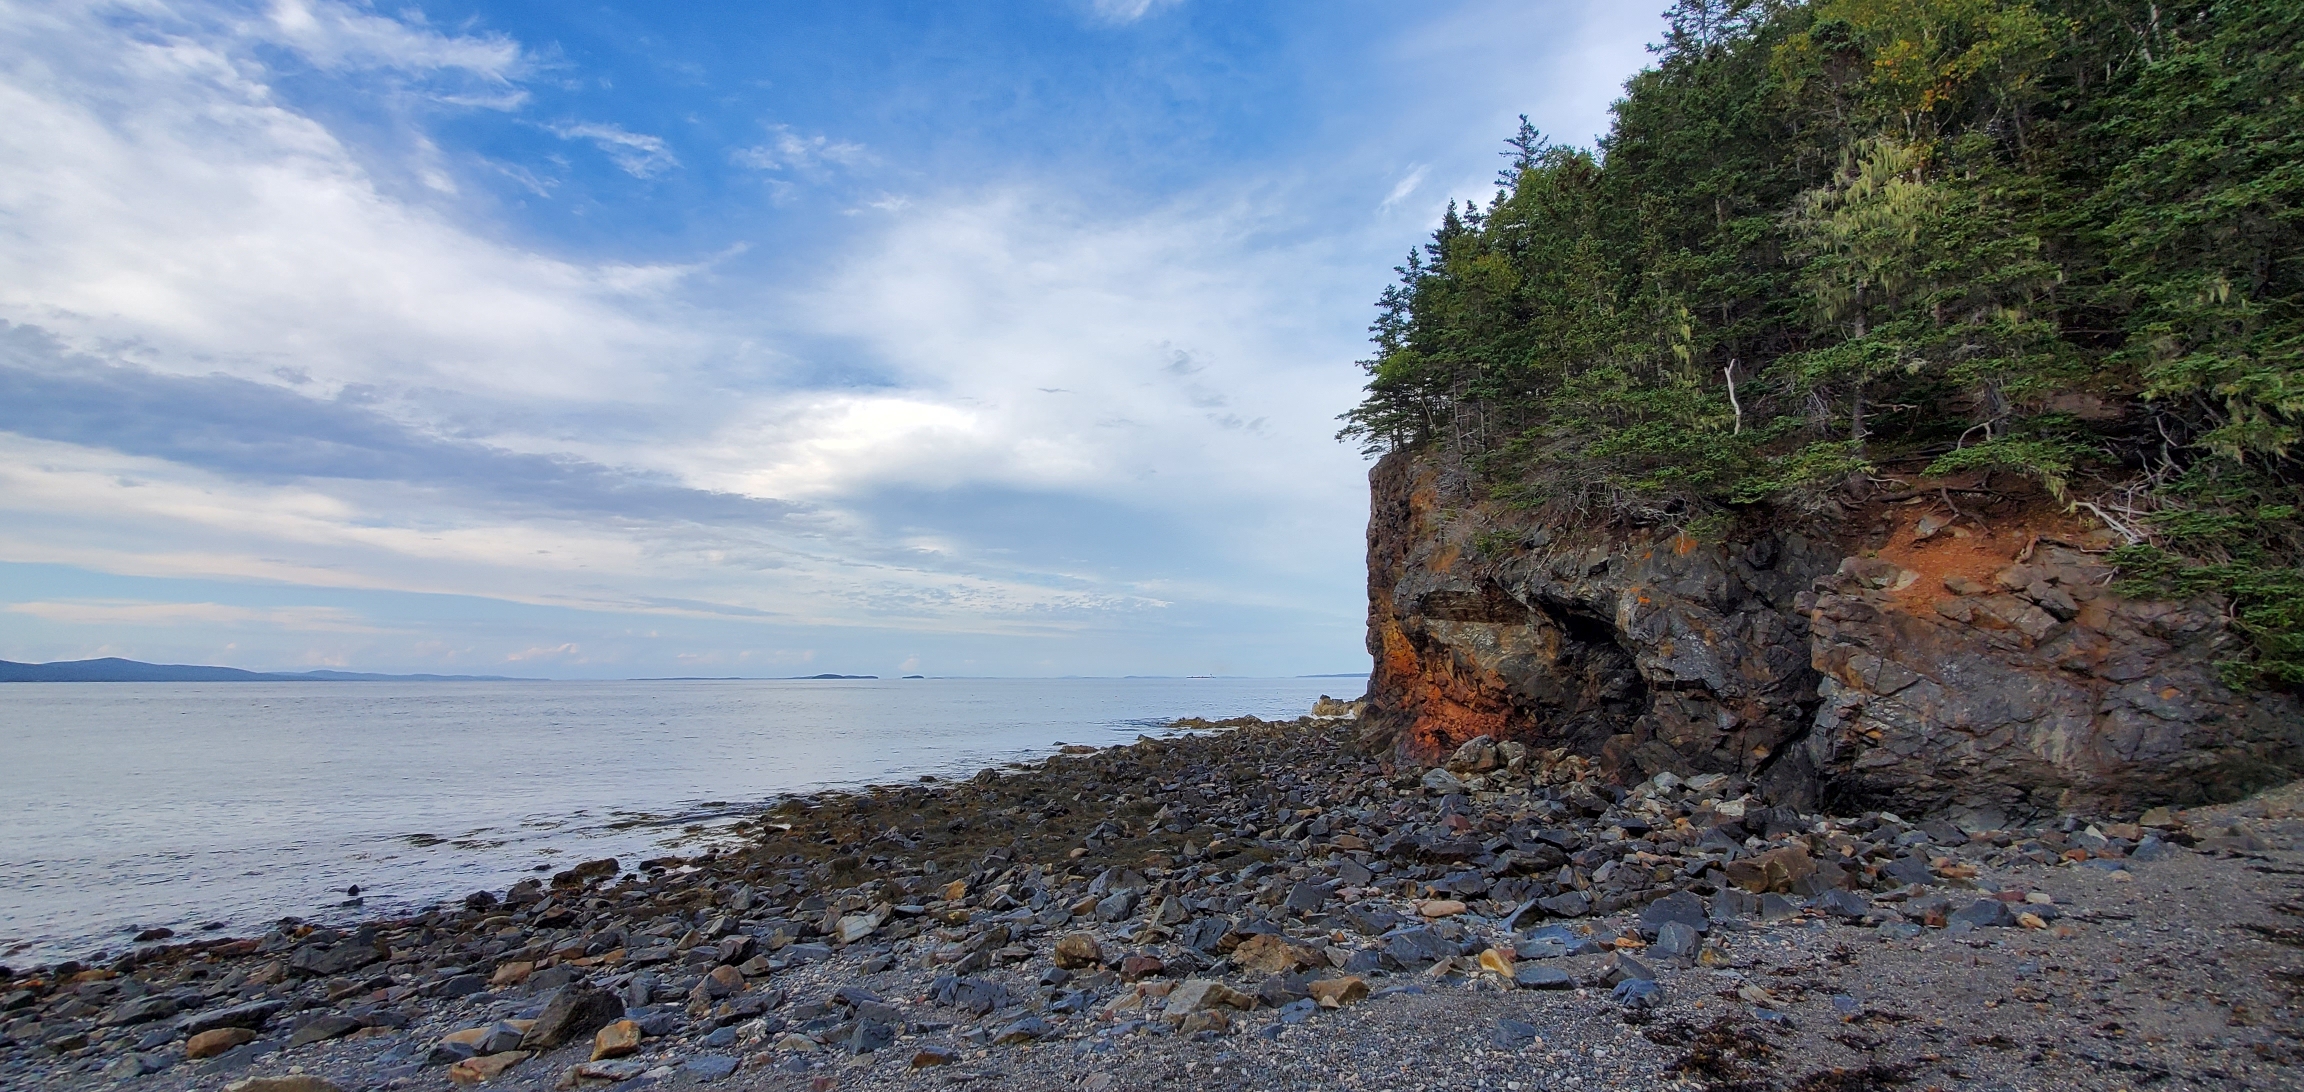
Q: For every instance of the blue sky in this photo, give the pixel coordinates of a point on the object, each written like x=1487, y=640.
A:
x=612, y=340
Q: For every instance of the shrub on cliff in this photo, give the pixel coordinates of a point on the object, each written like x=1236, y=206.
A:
x=1832, y=242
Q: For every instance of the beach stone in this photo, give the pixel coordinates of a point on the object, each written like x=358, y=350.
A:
x=140, y=1011
x=1078, y=950
x=1199, y=994
x=623, y=1070
x=934, y=1056
x=1335, y=993
x=1533, y=977
x=1441, y=781
x=1307, y=898
x=1567, y=904
x=500, y=1037
x=322, y=1028
x=1515, y=1034
x=1026, y=1030
x=1844, y=904
x=252, y=1016
x=487, y=1067
x=709, y=1067
x=1268, y=953
x=1638, y=993
x=295, y=1082
x=1984, y=912
x=1676, y=940
x=1413, y=948
x=213, y=1042
x=463, y=985
x=1116, y=906
x=868, y=1036
x=571, y=1012
x=616, y=1040
x=1680, y=906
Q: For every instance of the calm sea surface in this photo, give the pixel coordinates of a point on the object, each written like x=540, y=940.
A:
x=133, y=805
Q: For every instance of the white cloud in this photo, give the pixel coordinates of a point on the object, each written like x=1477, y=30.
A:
x=340, y=36
x=787, y=150
x=158, y=196
x=1406, y=186
x=637, y=154
x=119, y=612
x=1128, y=11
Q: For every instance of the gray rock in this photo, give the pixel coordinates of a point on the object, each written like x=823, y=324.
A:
x=2152, y=849
x=1441, y=781
x=1680, y=906
x=252, y=1016
x=142, y=1010
x=1777, y=908
x=709, y=1067
x=1676, y=940
x=463, y=985
x=1567, y=904
x=322, y=1028
x=1533, y=977
x=1023, y=1031
x=868, y=1036
x=1419, y=947
x=1844, y=904
x=1638, y=993
x=572, y=1011
x=1116, y=906
x=1307, y=898
x=501, y=1037
x=1983, y=912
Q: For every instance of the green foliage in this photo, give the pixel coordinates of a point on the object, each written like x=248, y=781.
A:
x=1829, y=240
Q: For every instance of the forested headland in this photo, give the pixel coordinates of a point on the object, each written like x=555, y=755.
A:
x=1999, y=251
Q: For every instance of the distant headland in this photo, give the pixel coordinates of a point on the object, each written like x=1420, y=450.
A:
x=114, y=669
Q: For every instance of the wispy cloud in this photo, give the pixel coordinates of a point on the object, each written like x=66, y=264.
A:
x=1403, y=188
x=638, y=154
x=116, y=613
x=1128, y=11
x=335, y=35
x=787, y=150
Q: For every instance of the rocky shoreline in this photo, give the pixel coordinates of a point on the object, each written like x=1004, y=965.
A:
x=1261, y=906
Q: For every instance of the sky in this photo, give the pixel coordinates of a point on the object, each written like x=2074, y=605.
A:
x=584, y=340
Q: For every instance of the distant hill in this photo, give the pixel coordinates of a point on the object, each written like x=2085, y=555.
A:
x=114, y=669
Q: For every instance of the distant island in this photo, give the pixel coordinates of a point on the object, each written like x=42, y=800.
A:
x=747, y=678
x=115, y=669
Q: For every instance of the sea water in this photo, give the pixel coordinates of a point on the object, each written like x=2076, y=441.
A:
x=218, y=808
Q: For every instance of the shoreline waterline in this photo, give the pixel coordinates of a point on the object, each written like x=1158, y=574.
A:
x=142, y=806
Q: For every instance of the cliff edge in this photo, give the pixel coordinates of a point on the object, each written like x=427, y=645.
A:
x=1981, y=669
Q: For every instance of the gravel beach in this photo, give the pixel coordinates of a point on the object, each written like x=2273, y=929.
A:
x=1253, y=905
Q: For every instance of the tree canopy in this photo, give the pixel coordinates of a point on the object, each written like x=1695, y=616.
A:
x=1833, y=242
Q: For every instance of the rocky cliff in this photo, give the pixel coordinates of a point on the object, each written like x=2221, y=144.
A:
x=1978, y=668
